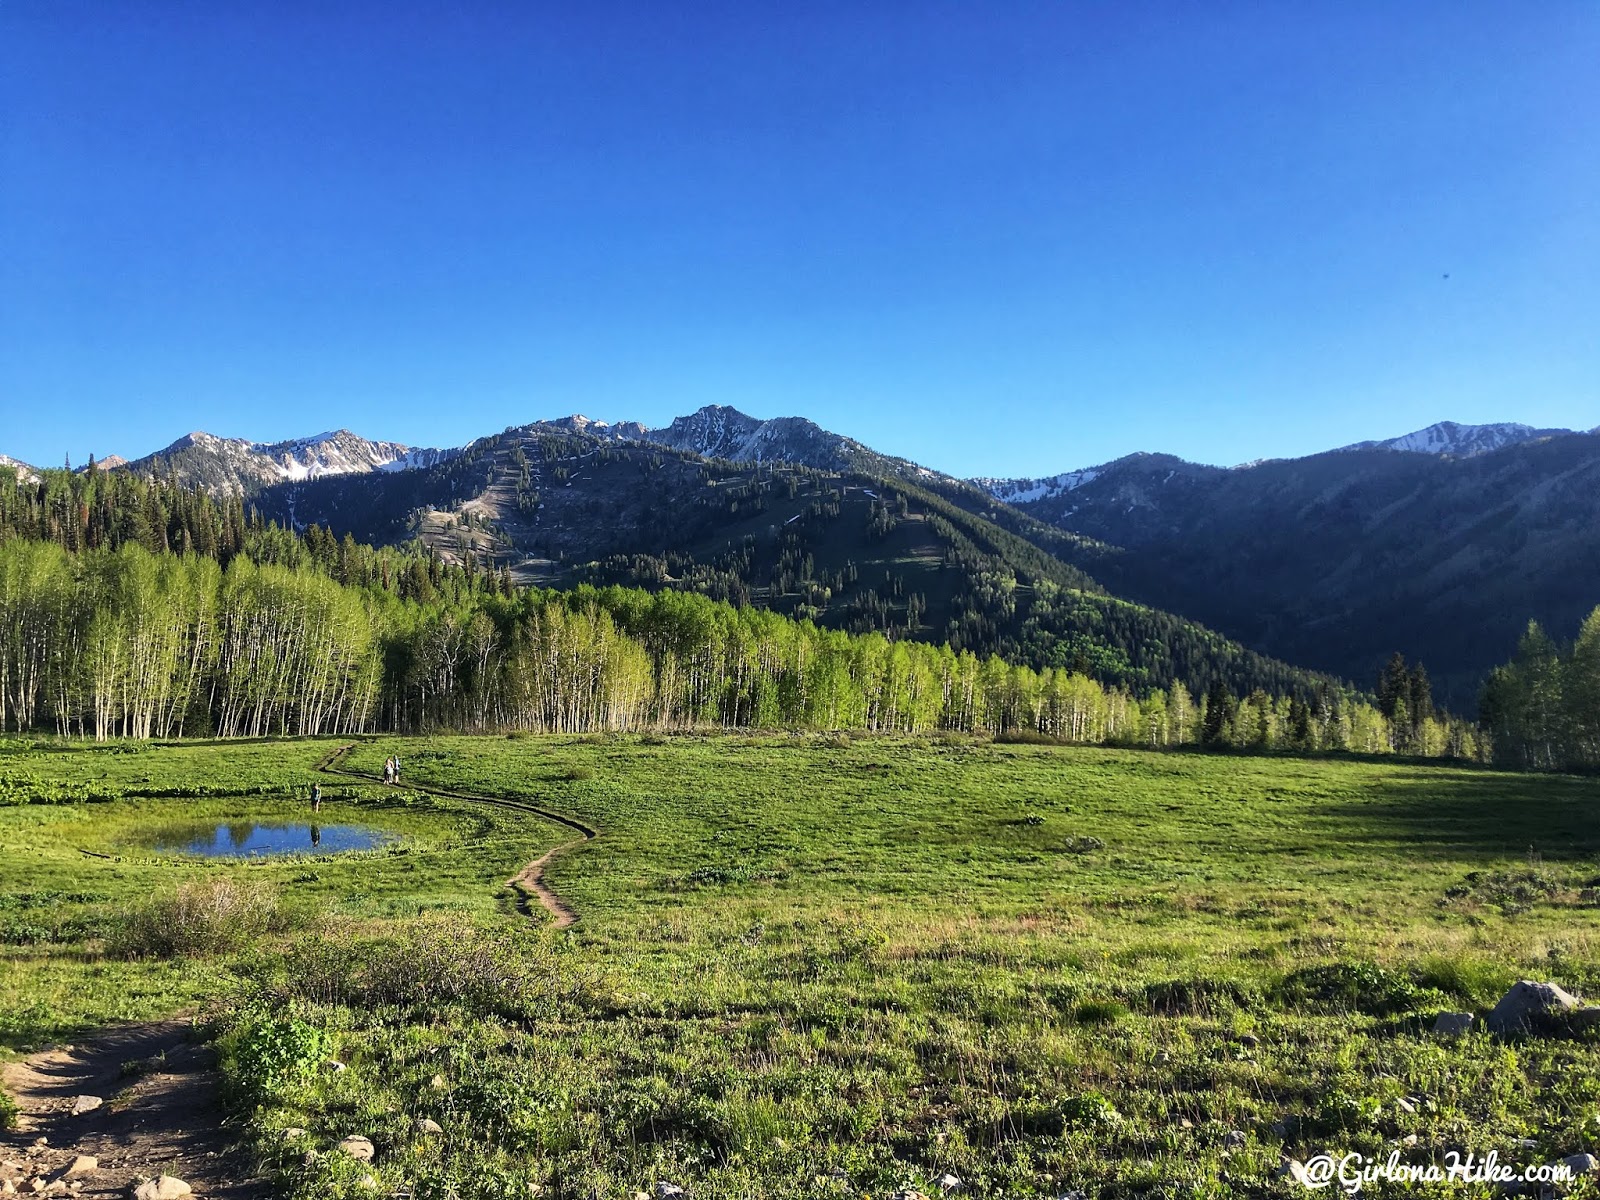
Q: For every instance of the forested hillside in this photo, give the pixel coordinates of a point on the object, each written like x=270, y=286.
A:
x=922, y=561
x=134, y=609
x=1337, y=560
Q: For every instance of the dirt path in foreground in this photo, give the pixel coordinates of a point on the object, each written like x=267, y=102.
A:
x=528, y=882
x=159, y=1113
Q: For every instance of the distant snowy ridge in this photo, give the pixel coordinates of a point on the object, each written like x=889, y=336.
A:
x=1460, y=441
x=237, y=464
x=1026, y=491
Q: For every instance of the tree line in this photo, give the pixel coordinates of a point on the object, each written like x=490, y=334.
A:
x=1541, y=710
x=110, y=642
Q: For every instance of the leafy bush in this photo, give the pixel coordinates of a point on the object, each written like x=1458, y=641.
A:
x=1512, y=892
x=262, y=1054
x=206, y=916
x=427, y=966
x=1090, y=1110
x=9, y=1112
x=1363, y=987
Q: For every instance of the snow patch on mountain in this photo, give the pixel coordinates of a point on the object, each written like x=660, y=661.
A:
x=1027, y=491
x=237, y=464
x=1459, y=441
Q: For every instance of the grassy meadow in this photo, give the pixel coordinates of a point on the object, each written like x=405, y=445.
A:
x=813, y=966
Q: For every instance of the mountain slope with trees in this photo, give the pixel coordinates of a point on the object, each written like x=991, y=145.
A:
x=1340, y=559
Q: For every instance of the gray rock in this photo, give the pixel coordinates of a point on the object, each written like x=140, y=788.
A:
x=334, y=1066
x=1530, y=1007
x=1293, y=1169
x=162, y=1187
x=85, y=1104
x=949, y=1182
x=1234, y=1139
x=666, y=1191
x=1587, y=1017
x=357, y=1147
x=428, y=1125
x=293, y=1132
x=1453, y=1024
x=1581, y=1164
x=84, y=1164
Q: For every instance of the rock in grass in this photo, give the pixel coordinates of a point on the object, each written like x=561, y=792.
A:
x=357, y=1147
x=949, y=1182
x=163, y=1187
x=1453, y=1024
x=1531, y=1007
x=1234, y=1139
x=1581, y=1164
x=428, y=1125
x=1293, y=1169
x=85, y=1104
x=293, y=1132
x=666, y=1191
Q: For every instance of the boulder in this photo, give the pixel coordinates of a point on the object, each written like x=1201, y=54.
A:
x=84, y=1164
x=949, y=1182
x=1453, y=1024
x=1234, y=1139
x=1531, y=1007
x=85, y=1104
x=163, y=1187
x=428, y=1125
x=1293, y=1169
x=357, y=1147
x=1581, y=1164
x=666, y=1191
x=292, y=1133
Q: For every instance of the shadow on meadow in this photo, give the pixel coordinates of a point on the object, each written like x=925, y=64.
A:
x=1465, y=815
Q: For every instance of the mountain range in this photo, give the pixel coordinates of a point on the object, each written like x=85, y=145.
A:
x=1440, y=543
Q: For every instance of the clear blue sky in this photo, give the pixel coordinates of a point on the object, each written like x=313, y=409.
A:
x=1001, y=239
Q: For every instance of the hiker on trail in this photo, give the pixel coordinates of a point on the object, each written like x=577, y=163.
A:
x=388, y=770
x=397, y=768
x=316, y=797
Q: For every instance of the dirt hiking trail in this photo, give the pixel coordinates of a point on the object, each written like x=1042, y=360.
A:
x=159, y=1112
x=527, y=882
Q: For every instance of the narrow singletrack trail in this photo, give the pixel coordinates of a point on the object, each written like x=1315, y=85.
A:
x=527, y=882
x=159, y=1111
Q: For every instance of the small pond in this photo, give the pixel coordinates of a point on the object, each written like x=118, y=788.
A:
x=258, y=839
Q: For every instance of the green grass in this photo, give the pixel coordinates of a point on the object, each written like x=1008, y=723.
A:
x=807, y=965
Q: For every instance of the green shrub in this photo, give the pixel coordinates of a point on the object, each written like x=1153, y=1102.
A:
x=262, y=1054
x=9, y=1112
x=205, y=916
x=1362, y=987
x=427, y=966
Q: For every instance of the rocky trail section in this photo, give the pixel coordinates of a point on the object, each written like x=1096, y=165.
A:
x=528, y=882
x=123, y=1109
